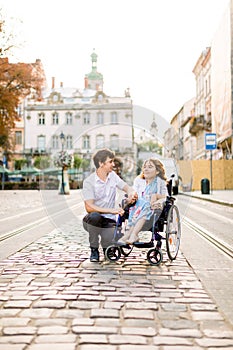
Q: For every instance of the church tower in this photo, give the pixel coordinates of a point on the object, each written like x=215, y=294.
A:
x=94, y=80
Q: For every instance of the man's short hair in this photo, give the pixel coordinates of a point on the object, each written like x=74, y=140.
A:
x=101, y=156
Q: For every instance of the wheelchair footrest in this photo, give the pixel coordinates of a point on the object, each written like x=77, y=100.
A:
x=144, y=244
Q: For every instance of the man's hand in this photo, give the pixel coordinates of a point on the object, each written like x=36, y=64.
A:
x=133, y=197
x=118, y=211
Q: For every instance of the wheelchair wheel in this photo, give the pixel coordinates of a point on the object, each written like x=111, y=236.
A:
x=126, y=250
x=173, y=232
x=113, y=253
x=154, y=256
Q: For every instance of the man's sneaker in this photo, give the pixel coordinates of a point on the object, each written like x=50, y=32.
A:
x=94, y=255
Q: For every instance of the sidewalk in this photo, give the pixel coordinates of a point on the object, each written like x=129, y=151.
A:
x=52, y=297
x=224, y=197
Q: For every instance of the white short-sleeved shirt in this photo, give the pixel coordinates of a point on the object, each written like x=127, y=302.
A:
x=103, y=192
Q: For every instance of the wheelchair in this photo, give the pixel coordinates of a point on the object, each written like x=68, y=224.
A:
x=167, y=227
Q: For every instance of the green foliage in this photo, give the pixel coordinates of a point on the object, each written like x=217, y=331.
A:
x=42, y=162
x=85, y=164
x=17, y=80
x=150, y=146
x=19, y=163
x=77, y=161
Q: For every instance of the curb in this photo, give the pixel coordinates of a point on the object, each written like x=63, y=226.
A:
x=218, y=201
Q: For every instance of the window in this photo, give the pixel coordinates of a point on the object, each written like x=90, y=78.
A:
x=69, y=142
x=41, y=119
x=100, y=118
x=55, y=142
x=86, y=118
x=41, y=143
x=18, y=137
x=99, y=141
x=86, y=142
x=100, y=97
x=69, y=118
x=55, y=118
x=114, y=118
x=114, y=142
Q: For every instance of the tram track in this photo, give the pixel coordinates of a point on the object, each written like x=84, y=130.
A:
x=37, y=222
x=222, y=246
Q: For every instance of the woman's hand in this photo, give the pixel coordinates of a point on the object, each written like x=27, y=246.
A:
x=157, y=204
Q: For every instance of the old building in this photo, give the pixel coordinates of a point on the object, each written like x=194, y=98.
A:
x=221, y=85
x=200, y=122
x=89, y=118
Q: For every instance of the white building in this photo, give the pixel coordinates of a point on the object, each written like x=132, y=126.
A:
x=89, y=119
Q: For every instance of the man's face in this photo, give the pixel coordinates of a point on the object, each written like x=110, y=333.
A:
x=108, y=165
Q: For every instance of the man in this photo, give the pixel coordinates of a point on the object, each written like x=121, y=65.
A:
x=99, y=193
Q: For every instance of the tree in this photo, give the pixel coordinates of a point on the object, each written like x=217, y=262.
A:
x=77, y=161
x=42, y=162
x=150, y=146
x=17, y=80
x=19, y=163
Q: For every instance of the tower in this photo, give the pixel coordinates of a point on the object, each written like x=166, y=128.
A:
x=94, y=80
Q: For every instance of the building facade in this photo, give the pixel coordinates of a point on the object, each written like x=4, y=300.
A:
x=211, y=109
x=88, y=117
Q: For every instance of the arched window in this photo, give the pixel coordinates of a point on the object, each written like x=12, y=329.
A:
x=69, y=142
x=41, y=143
x=86, y=118
x=69, y=118
x=55, y=142
x=86, y=142
x=100, y=118
x=55, y=118
x=100, y=141
x=41, y=119
x=114, y=118
x=114, y=142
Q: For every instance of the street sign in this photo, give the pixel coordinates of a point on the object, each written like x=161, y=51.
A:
x=210, y=141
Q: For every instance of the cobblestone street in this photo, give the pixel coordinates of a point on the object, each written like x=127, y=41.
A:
x=52, y=297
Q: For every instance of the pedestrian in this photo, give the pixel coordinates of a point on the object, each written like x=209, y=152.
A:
x=99, y=193
x=152, y=195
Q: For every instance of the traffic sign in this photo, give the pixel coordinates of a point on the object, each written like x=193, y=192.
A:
x=210, y=141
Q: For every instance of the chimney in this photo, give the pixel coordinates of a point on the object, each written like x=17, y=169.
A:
x=61, y=84
x=53, y=82
x=85, y=82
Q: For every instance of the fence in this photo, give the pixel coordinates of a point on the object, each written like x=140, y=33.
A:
x=192, y=172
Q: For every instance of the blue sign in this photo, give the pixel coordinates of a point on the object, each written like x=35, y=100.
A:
x=210, y=141
x=4, y=160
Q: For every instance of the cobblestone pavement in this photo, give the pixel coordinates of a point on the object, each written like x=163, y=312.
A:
x=53, y=297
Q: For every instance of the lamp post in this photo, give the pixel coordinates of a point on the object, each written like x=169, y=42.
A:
x=62, y=138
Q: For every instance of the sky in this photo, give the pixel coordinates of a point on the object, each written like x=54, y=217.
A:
x=148, y=46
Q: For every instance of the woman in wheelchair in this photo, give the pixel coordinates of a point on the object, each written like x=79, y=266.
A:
x=151, y=196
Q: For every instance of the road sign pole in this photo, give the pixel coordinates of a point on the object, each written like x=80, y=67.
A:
x=211, y=173
x=3, y=174
x=210, y=144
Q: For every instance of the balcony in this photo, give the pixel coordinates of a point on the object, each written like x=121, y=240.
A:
x=196, y=124
x=199, y=123
x=37, y=152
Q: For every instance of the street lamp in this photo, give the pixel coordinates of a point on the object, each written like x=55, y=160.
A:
x=62, y=138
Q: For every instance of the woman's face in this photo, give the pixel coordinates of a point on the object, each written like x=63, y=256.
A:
x=149, y=170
